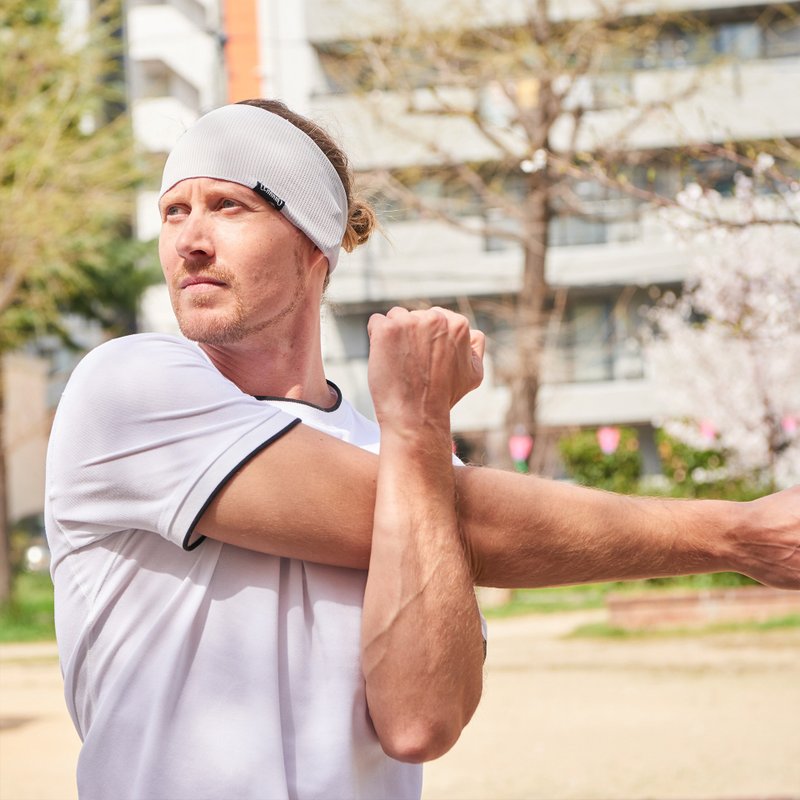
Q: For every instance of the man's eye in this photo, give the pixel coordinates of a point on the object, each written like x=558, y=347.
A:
x=171, y=211
x=228, y=203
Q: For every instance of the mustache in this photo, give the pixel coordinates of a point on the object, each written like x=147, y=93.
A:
x=212, y=271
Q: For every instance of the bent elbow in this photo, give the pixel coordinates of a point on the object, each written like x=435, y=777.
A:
x=417, y=743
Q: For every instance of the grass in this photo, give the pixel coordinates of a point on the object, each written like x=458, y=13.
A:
x=28, y=617
x=544, y=601
x=602, y=630
x=593, y=595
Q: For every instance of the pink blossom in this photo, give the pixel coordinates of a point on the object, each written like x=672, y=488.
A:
x=727, y=353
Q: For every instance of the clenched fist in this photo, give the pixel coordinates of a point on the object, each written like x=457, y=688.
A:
x=421, y=364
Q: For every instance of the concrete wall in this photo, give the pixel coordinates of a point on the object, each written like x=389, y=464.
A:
x=26, y=427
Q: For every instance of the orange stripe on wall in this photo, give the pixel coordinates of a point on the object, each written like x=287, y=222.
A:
x=243, y=67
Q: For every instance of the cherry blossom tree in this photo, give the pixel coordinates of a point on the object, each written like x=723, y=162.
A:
x=726, y=354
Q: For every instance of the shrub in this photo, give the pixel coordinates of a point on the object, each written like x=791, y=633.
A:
x=588, y=465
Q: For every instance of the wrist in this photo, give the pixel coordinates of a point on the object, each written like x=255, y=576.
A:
x=731, y=521
x=427, y=433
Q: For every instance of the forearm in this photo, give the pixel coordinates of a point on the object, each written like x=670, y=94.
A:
x=537, y=532
x=422, y=648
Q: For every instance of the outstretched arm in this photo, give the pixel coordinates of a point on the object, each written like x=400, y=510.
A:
x=547, y=533
x=519, y=530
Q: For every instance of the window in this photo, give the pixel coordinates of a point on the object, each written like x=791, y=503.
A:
x=154, y=79
x=591, y=329
x=782, y=40
x=598, y=339
x=716, y=174
x=739, y=40
x=573, y=230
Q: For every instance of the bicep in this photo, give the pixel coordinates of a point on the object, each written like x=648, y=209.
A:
x=307, y=496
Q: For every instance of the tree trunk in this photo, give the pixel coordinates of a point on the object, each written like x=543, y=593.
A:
x=530, y=317
x=5, y=550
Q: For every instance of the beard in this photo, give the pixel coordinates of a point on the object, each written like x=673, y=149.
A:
x=201, y=322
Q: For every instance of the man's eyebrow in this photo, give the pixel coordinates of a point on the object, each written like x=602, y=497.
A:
x=223, y=189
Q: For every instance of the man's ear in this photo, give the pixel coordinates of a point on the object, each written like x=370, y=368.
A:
x=318, y=260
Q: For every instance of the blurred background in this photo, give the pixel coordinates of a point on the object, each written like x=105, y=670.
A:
x=609, y=190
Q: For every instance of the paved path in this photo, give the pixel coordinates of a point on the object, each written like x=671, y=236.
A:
x=701, y=718
x=697, y=718
x=38, y=745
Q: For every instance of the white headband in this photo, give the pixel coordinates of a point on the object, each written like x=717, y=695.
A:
x=258, y=149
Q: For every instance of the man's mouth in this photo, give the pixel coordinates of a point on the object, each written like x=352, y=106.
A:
x=200, y=281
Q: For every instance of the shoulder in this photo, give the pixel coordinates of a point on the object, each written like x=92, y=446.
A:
x=138, y=350
x=140, y=373
x=142, y=357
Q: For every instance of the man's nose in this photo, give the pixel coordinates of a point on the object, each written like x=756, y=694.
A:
x=195, y=240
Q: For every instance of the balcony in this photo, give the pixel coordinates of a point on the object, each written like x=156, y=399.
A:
x=747, y=100
x=159, y=121
x=186, y=46
x=432, y=260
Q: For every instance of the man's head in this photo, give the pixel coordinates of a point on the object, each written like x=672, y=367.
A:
x=268, y=154
x=228, y=266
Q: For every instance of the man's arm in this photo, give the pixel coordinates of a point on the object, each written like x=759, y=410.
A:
x=519, y=530
x=422, y=648
x=547, y=533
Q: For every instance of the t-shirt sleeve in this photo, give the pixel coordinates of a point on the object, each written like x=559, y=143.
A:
x=146, y=432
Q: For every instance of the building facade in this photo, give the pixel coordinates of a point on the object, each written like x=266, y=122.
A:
x=731, y=73
x=733, y=76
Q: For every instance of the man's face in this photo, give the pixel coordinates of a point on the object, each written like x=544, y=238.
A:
x=234, y=265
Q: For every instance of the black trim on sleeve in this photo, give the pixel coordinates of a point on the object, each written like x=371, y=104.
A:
x=200, y=539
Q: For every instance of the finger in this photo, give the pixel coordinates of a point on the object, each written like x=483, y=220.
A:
x=456, y=323
x=477, y=341
x=374, y=323
x=452, y=317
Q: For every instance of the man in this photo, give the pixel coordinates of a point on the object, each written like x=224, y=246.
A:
x=250, y=602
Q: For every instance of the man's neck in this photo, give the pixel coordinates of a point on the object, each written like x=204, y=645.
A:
x=287, y=367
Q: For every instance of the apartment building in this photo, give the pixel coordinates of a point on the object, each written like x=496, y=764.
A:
x=175, y=72
x=742, y=61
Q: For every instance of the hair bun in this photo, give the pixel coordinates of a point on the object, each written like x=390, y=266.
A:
x=361, y=222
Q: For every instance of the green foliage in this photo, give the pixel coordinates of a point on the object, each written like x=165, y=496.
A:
x=587, y=464
x=701, y=473
x=551, y=600
x=592, y=595
x=106, y=289
x=603, y=630
x=690, y=472
x=679, y=460
x=67, y=173
x=28, y=616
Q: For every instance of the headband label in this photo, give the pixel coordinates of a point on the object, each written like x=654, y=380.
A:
x=269, y=196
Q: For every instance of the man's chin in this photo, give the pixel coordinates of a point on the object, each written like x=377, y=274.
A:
x=216, y=332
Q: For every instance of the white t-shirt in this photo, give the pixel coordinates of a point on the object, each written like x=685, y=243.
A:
x=195, y=669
